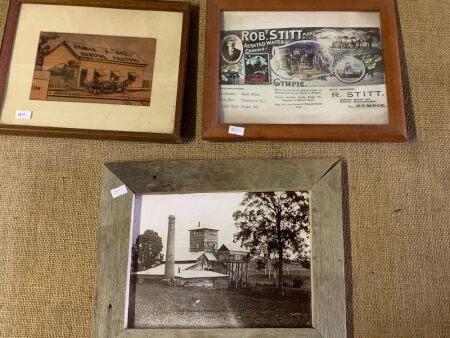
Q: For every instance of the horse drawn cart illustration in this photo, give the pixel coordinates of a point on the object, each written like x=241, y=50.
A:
x=97, y=86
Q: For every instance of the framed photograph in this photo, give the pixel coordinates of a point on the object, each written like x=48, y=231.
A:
x=302, y=70
x=234, y=248
x=95, y=69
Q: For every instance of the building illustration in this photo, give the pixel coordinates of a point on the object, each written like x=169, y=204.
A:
x=76, y=65
x=91, y=68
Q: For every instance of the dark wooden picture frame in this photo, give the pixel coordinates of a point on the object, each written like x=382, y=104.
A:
x=322, y=178
x=6, y=55
x=215, y=130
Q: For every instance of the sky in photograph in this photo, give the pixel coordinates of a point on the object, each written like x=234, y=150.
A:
x=212, y=210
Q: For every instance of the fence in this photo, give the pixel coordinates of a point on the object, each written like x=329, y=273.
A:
x=62, y=82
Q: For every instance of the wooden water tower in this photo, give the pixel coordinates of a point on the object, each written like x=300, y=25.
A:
x=203, y=239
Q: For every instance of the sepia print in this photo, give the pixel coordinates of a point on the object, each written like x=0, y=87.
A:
x=93, y=69
x=221, y=260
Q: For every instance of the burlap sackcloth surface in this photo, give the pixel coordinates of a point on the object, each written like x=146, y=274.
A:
x=398, y=202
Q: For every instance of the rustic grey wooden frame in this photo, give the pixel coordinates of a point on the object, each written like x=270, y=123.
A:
x=321, y=177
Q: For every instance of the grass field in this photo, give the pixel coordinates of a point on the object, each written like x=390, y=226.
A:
x=156, y=305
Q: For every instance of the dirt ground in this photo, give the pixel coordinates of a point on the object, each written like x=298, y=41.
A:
x=159, y=306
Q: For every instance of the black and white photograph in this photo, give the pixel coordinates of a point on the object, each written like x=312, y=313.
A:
x=231, y=49
x=220, y=260
x=257, y=68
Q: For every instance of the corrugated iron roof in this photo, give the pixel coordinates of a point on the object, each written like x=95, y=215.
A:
x=159, y=269
x=203, y=228
x=233, y=248
x=210, y=256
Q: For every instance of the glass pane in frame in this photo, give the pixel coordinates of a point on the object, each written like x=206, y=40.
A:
x=212, y=260
x=302, y=68
x=107, y=68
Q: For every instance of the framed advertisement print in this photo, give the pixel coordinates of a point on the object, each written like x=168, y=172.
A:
x=227, y=248
x=302, y=70
x=96, y=69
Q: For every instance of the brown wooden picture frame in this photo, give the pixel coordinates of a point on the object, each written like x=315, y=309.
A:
x=322, y=178
x=215, y=130
x=6, y=55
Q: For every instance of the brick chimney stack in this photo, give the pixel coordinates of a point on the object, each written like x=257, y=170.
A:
x=169, y=271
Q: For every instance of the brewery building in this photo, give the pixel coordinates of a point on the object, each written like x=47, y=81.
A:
x=204, y=264
x=87, y=63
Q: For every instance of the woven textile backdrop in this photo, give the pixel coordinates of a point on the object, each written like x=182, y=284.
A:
x=398, y=202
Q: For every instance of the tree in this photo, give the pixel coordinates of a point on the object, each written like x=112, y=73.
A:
x=147, y=251
x=274, y=225
x=44, y=48
x=305, y=259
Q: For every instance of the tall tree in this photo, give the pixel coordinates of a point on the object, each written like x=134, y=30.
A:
x=274, y=224
x=147, y=250
x=44, y=47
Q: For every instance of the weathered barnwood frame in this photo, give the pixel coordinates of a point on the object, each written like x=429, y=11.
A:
x=321, y=177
